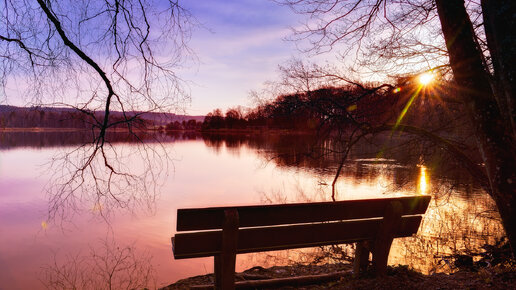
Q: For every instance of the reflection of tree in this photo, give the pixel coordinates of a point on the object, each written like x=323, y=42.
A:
x=453, y=226
x=108, y=266
x=322, y=156
x=97, y=191
x=125, y=177
x=50, y=139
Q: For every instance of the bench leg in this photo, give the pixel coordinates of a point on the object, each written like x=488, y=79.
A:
x=383, y=242
x=225, y=262
x=361, y=261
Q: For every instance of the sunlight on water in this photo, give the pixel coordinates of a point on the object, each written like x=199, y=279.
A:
x=423, y=182
x=222, y=172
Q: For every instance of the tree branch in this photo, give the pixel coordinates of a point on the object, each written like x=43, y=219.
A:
x=88, y=60
x=22, y=46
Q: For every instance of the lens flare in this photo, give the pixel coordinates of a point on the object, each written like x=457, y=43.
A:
x=426, y=78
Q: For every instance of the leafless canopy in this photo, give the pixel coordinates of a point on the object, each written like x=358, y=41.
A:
x=395, y=39
x=406, y=36
x=384, y=36
x=96, y=57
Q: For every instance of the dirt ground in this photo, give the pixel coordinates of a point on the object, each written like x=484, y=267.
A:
x=397, y=278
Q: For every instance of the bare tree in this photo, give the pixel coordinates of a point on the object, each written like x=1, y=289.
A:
x=52, y=47
x=97, y=57
x=476, y=39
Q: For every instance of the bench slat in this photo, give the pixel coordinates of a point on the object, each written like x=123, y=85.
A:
x=268, y=215
x=204, y=244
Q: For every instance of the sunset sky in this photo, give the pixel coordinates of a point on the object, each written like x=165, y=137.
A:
x=239, y=48
x=236, y=48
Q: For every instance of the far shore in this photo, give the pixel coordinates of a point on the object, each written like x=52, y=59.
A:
x=154, y=129
x=42, y=129
x=38, y=129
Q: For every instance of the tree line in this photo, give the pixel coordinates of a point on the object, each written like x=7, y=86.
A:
x=190, y=125
x=45, y=117
x=37, y=117
x=330, y=108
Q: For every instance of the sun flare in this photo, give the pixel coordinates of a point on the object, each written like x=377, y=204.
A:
x=426, y=78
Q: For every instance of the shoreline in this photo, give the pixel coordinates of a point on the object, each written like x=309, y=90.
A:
x=122, y=130
x=398, y=277
x=43, y=129
x=38, y=129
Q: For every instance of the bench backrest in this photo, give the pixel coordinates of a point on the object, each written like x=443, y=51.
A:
x=285, y=226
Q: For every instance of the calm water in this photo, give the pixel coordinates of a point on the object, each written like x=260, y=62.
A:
x=47, y=239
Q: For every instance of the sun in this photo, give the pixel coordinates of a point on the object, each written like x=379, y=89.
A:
x=425, y=78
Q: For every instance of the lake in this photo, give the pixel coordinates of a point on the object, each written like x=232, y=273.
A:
x=51, y=237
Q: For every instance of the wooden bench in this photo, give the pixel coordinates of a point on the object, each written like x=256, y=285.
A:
x=223, y=232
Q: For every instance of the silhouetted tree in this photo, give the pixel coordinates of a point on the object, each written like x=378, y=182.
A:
x=192, y=125
x=479, y=42
x=234, y=119
x=214, y=120
x=174, y=126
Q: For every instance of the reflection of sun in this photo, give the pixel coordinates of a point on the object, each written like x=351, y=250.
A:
x=423, y=181
x=425, y=78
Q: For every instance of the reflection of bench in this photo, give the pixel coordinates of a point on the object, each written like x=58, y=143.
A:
x=223, y=232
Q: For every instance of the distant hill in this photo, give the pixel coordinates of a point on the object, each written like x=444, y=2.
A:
x=50, y=117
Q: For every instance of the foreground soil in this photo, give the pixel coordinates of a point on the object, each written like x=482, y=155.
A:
x=397, y=278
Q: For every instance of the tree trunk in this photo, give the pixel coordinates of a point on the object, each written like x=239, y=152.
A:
x=500, y=26
x=493, y=131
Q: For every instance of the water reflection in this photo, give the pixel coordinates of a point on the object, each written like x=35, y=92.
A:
x=423, y=183
x=233, y=169
x=461, y=219
x=47, y=139
x=452, y=225
x=107, y=265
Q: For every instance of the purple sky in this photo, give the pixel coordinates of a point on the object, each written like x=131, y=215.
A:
x=239, y=49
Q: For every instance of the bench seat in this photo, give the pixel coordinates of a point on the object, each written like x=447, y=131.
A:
x=224, y=232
